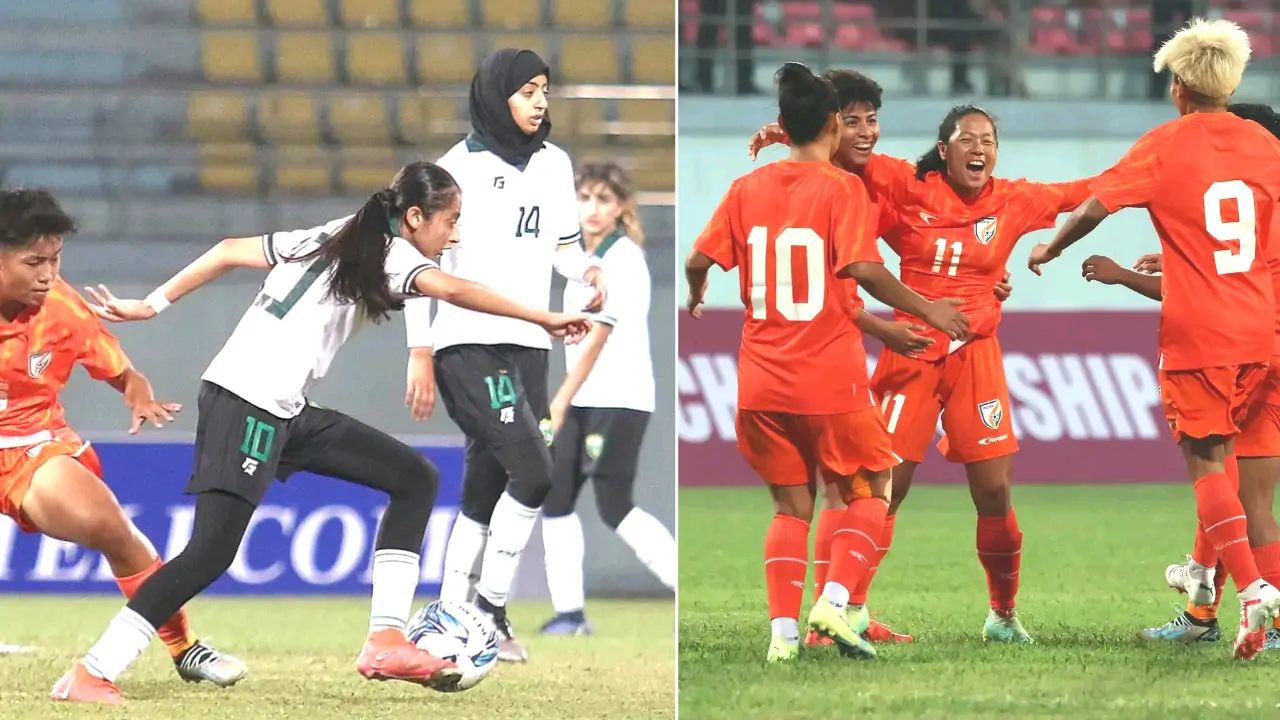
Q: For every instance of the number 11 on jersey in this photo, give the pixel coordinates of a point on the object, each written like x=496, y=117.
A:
x=941, y=257
x=784, y=296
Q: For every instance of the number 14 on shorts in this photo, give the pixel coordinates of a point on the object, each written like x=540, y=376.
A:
x=502, y=397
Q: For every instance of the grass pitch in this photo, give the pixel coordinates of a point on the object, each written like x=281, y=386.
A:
x=301, y=655
x=1092, y=576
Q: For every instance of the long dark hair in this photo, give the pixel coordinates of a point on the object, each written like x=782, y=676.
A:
x=932, y=160
x=805, y=102
x=358, y=252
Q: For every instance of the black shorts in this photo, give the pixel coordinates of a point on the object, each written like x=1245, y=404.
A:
x=496, y=394
x=598, y=443
x=241, y=448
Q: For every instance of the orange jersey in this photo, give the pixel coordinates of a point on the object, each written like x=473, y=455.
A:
x=38, y=351
x=790, y=227
x=1210, y=182
x=951, y=247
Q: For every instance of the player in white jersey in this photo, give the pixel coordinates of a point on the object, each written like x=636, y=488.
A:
x=255, y=424
x=492, y=372
x=600, y=413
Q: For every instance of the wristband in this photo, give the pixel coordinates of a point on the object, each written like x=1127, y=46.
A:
x=157, y=300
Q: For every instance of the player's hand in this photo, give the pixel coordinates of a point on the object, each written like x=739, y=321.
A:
x=1041, y=254
x=420, y=384
x=770, y=134
x=595, y=278
x=905, y=338
x=945, y=315
x=1100, y=268
x=1004, y=288
x=1150, y=264
x=571, y=327
x=109, y=307
x=152, y=411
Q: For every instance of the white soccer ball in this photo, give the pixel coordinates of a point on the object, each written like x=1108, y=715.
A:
x=459, y=633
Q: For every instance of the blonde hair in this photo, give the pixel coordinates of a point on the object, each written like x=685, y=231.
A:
x=1208, y=56
x=619, y=183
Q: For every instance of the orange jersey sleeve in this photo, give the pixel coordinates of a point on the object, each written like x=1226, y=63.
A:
x=98, y=352
x=1133, y=181
x=716, y=239
x=888, y=179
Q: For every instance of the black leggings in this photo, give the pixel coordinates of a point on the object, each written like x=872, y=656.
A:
x=359, y=454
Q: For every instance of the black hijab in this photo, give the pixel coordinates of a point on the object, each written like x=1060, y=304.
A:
x=500, y=75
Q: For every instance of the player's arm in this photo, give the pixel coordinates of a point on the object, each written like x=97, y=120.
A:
x=883, y=286
x=434, y=282
x=900, y=337
x=420, y=375
x=571, y=261
x=573, y=380
x=1102, y=269
x=714, y=246
x=697, y=268
x=1088, y=216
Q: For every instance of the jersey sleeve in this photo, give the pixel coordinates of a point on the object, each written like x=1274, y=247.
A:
x=716, y=239
x=853, y=224
x=625, y=302
x=403, y=265
x=1044, y=202
x=562, y=217
x=97, y=350
x=888, y=179
x=293, y=244
x=1133, y=181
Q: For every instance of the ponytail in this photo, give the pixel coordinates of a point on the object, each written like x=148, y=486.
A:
x=932, y=161
x=358, y=253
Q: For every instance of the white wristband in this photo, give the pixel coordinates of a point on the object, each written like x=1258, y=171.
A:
x=157, y=301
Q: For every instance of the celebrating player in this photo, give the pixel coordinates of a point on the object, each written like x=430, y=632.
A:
x=493, y=371
x=1257, y=448
x=50, y=479
x=255, y=424
x=600, y=413
x=804, y=406
x=1210, y=181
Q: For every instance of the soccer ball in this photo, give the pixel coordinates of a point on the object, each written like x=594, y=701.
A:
x=459, y=633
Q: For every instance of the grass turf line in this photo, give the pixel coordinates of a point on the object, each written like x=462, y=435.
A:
x=302, y=652
x=1092, y=576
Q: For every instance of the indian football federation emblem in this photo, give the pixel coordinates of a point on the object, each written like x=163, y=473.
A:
x=985, y=230
x=37, y=362
x=594, y=445
x=991, y=412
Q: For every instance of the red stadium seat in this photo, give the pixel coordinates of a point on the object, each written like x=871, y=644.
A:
x=1258, y=27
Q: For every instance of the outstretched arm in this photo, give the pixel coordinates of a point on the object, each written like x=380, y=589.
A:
x=438, y=284
x=1102, y=269
x=883, y=286
x=1081, y=223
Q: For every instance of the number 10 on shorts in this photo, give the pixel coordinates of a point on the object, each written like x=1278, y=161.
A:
x=258, y=438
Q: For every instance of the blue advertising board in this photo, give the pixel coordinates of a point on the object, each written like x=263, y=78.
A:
x=311, y=535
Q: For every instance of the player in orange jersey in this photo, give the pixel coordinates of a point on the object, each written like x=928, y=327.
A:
x=1210, y=181
x=1257, y=447
x=50, y=479
x=799, y=230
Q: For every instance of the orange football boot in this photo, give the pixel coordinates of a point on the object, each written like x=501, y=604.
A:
x=388, y=655
x=79, y=685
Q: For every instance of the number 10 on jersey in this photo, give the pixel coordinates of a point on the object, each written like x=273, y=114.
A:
x=784, y=296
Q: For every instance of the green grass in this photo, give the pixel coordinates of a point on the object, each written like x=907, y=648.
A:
x=1092, y=576
x=301, y=655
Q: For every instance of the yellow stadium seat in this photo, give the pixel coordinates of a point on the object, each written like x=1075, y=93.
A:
x=650, y=14
x=446, y=58
x=511, y=14
x=582, y=13
x=227, y=12
x=367, y=170
x=655, y=169
x=520, y=42
x=289, y=118
x=647, y=117
x=298, y=13
x=230, y=57
x=302, y=170
x=304, y=57
x=228, y=166
x=371, y=13
x=440, y=13
x=217, y=115
x=577, y=116
x=653, y=60
x=589, y=59
x=359, y=119
x=423, y=120
x=376, y=59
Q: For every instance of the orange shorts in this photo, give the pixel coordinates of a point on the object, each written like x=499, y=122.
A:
x=787, y=449
x=967, y=387
x=1260, y=429
x=19, y=465
x=1209, y=401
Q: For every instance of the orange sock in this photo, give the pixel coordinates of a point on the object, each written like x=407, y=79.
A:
x=1202, y=552
x=856, y=545
x=786, y=561
x=859, y=594
x=828, y=523
x=176, y=632
x=1000, y=552
x=1222, y=516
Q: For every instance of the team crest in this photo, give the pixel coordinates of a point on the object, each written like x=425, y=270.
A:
x=594, y=445
x=37, y=362
x=985, y=230
x=992, y=413
x=544, y=425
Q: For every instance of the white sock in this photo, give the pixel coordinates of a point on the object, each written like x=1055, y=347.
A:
x=462, y=559
x=563, y=549
x=788, y=628
x=395, y=580
x=127, y=636
x=652, y=543
x=509, y=531
x=836, y=594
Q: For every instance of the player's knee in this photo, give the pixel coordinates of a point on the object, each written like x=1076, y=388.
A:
x=109, y=531
x=613, y=501
x=560, y=501
x=528, y=466
x=420, y=479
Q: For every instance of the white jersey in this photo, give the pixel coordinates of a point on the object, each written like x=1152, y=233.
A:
x=290, y=334
x=623, y=374
x=512, y=222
